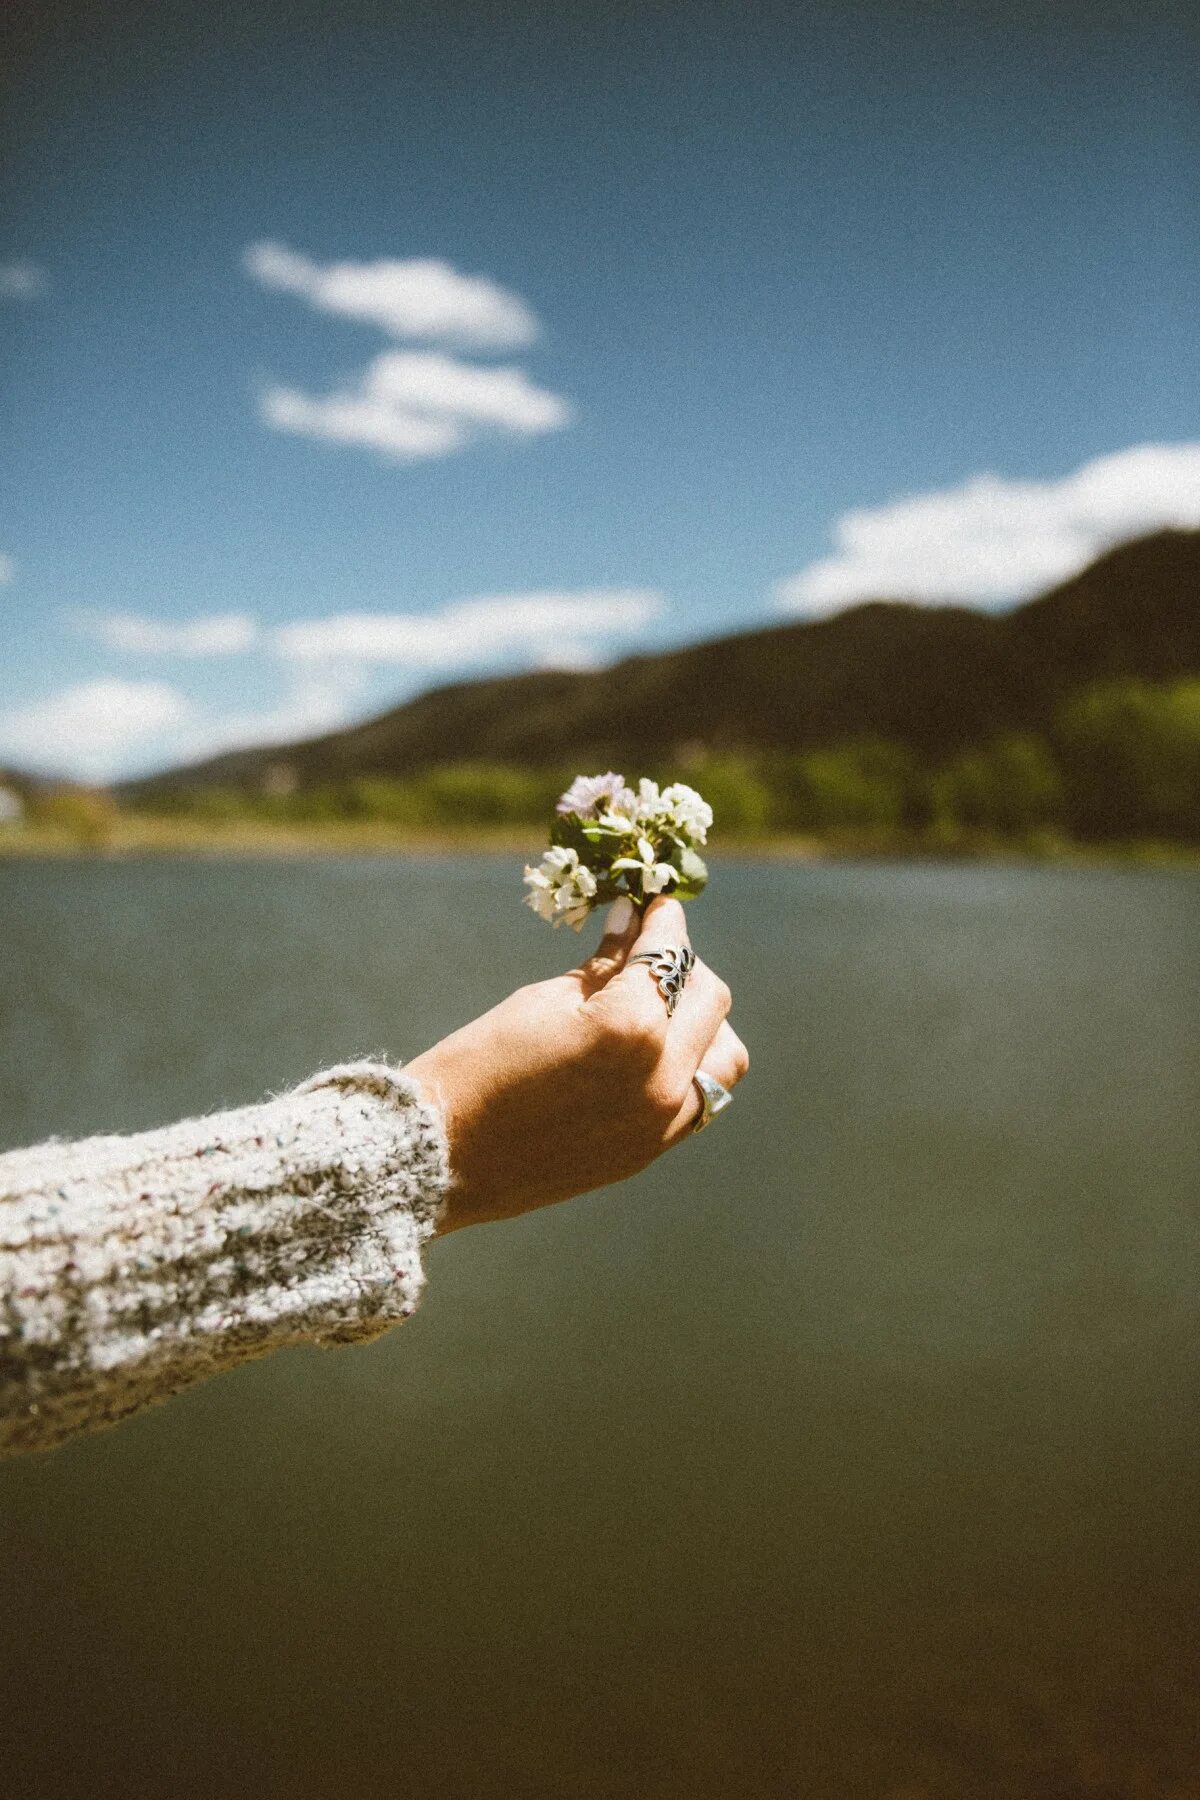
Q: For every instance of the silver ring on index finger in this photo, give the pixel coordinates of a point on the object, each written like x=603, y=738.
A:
x=671, y=967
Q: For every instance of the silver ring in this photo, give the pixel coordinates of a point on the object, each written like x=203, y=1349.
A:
x=672, y=965
x=715, y=1097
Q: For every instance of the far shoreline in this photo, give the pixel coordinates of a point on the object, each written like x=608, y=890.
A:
x=144, y=837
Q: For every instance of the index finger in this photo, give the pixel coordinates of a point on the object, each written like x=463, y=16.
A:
x=663, y=925
x=636, y=985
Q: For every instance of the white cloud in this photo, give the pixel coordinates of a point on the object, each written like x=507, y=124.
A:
x=112, y=727
x=8, y=570
x=316, y=700
x=217, y=634
x=421, y=297
x=991, y=541
x=574, y=656
x=105, y=729
x=89, y=729
x=415, y=404
x=21, y=279
x=411, y=405
x=472, y=631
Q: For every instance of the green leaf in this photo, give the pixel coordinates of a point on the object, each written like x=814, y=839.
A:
x=693, y=873
x=568, y=830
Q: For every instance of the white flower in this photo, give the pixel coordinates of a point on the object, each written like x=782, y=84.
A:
x=649, y=801
x=690, y=811
x=678, y=810
x=587, y=792
x=641, y=844
x=541, y=893
x=653, y=875
x=656, y=878
x=615, y=822
x=561, y=888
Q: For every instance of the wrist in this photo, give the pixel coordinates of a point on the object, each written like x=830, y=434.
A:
x=435, y=1087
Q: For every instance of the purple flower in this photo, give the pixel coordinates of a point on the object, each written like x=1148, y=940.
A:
x=590, y=795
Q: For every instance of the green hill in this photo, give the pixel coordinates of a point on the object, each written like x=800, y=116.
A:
x=935, y=679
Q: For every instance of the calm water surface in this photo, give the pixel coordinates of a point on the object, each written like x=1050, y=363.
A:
x=854, y=1450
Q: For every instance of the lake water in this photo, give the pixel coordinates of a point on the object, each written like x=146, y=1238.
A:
x=853, y=1450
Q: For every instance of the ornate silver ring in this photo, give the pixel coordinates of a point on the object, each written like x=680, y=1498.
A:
x=671, y=965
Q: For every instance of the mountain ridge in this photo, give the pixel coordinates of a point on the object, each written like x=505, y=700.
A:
x=934, y=678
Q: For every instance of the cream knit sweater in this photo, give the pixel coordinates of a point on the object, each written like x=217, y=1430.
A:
x=131, y=1267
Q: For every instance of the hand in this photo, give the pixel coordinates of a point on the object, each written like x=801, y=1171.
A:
x=581, y=1080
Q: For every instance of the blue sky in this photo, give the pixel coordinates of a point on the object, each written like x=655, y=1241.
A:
x=349, y=351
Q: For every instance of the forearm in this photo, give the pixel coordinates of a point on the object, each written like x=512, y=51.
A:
x=131, y=1267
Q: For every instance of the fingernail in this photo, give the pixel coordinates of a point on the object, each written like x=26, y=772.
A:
x=620, y=917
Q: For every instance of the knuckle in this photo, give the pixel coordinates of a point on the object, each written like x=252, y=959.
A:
x=663, y=1100
x=608, y=1027
x=715, y=993
x=643, y=1036
x=629, y=1034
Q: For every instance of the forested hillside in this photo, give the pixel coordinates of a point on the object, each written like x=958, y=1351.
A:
x=932, y=680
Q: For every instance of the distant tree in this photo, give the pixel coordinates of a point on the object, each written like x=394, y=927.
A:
x=1009, y=788
x=321, y=805
x=1130, y=753
x=863, y=787
x=402, y=803
x=221, y=805
x=87, y=816
x=741, y=800
x=479, y=793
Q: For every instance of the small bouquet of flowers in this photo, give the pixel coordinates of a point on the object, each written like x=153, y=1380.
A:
x=607, y=840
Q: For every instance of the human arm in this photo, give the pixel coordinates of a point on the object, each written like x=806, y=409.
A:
x=131, y=1267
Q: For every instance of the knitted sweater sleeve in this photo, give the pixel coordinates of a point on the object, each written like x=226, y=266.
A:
x=131, y=1267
